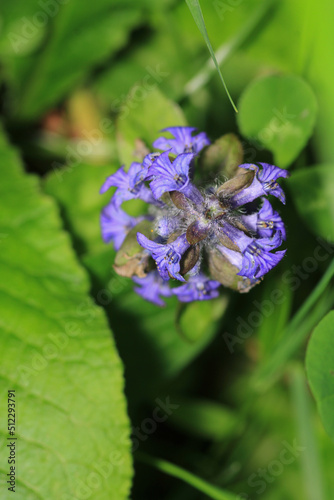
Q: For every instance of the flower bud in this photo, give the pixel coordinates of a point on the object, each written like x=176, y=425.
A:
x=197, y=231
x=189, y=259
x=131, y=259
x=223, y=271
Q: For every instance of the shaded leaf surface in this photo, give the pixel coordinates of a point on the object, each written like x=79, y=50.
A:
x=68, y=377
x=320, y=369
x=313, y=195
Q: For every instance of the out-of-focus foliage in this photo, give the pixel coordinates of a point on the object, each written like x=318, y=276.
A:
x=85, y=88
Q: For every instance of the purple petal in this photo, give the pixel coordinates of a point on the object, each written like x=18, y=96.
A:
x=115, y=224
x=118, y=179
x=151, y=287
x=198, y=287
x=183, y=140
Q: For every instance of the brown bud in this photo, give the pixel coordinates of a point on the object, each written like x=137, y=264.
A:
x=236, y=184
x=197, y=232
x=179, y=200
x=131, y=259
x=227, y=242
x=223, y=271
x=189, y=259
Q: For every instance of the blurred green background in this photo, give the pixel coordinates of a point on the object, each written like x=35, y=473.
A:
x=112, y=392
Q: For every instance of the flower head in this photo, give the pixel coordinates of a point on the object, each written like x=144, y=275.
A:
x=184, y=141
x=191, y=231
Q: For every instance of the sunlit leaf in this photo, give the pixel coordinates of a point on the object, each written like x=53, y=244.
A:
x=58, y=353
x=278, y=112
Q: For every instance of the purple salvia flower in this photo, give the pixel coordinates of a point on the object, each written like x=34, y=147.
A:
x=209, y=220
x=264, y=183
x=151, y=287
x=115, y=224
x=266, y=222
x=183, y=142
x=167, y=257
x=198, y=287
x=130, y=184
x=257, y=256
x=173, y=176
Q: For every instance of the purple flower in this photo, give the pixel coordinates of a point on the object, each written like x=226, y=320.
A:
x=173, y=176
x=130, y=184
x=167, y=257
x=201, y=223
x=115, y=224
x=264, y=183
x=198, y=287
x=183, y=142
x=151, y=287
x=266, y=222
x=256, y=257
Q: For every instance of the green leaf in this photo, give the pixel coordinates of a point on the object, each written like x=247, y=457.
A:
x=205, y=419
x=312, y=191
x=196, y=11
x=278, y=112
x=196, y=482
x=310, y=459
x=77, y=191
x=320, y=369
x=143, y=119
x=296, y=332
x=58, y=354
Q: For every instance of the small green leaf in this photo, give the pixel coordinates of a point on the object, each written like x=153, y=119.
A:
x=58, y=354
x=278, y=112
x=198, y=319
x=205, y=419
x=196, y=11
x=320, y=370
x=143, y=119
x=313, y=193
x=210, y=490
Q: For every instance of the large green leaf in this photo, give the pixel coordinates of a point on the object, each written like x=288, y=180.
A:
x=320, y=369
x=313, y=193
x=278, y=112
x=57, y=353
